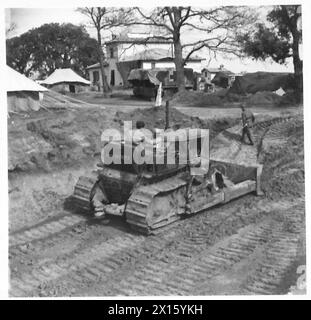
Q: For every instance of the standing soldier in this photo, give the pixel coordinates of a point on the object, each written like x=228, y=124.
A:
x=248, y=120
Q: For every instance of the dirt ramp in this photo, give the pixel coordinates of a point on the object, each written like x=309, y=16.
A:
x=155, y=118
x=283, y=156
x=198, y=98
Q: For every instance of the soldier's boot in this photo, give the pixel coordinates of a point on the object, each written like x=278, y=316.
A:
x=98, y=201
x=250, y=140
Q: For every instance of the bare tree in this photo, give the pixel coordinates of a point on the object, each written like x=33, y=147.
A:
x=103, y=18
x=10, y=29
x=214, y=29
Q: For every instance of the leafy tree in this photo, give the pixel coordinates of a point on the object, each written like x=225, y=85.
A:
x=52, y=46
x=279, y=41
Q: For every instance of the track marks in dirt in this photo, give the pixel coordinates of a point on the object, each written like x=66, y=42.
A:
x=181, y=270
x=71, y=263
x=187, y=265
x=181, y=260
x=43, y=230
x=280, y=254
x=176, y=261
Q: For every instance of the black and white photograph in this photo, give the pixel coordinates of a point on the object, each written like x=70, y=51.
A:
x=155, y=151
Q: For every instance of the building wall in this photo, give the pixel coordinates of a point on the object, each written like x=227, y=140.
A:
x=163, y=64
x=112, y=66
x=195, y=65
x=65, y=87
x=122, y=51
x=23, y=101
x=207, y=75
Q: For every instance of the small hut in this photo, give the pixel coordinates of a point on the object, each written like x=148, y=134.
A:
x=23, y=94
x=66, y=80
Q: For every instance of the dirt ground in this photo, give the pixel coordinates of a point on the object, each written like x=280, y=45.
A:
x=252, y=245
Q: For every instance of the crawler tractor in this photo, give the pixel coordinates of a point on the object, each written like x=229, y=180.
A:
x=151, y=196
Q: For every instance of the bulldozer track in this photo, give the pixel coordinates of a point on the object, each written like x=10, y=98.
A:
x=51, y=227
x=72, y=263
x=279, y=256
x=24, y=285
x=182, y=259
x=45, y=229
x=153, y=272
x=107, y=257
x=275, y=132
x=143, y=197
x=140, y=201
x=199, y=265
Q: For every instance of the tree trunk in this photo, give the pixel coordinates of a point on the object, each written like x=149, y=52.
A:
x=105, y=86
x=297, y=67
x=292, y=25
x=180, y=72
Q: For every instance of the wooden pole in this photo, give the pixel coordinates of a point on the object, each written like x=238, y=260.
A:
x=167, y=114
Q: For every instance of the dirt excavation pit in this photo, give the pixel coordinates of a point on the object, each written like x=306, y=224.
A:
x=50, y=150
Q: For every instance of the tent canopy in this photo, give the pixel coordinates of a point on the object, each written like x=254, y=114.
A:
x=221, y=79
x=144, y=74
x=16, y=81
x=261, y=81
x=64, y=75
x=155, y=76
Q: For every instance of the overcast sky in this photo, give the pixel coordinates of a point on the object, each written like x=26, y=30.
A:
x=29, y=18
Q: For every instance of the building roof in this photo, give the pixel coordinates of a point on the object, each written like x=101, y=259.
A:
x=150, y=54
x=96, y=65
x=64, y=75
x=155, y=55
x=16, y=81
x=139, y=37
x=216, y=70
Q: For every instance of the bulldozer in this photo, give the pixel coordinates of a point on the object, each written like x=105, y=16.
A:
x=150, y=196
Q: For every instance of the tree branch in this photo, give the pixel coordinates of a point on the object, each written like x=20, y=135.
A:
x=151, y=21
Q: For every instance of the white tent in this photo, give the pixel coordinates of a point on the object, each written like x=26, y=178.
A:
x=64, y=75
x=23, y=94
x=18, y=82
x=280, y=92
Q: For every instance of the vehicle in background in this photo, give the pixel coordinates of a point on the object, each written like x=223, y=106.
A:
x=146, y=82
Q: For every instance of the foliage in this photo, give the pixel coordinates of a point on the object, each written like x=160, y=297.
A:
x=274, y=41
x=52, y=46
x=279, y=42
x=266, y=43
